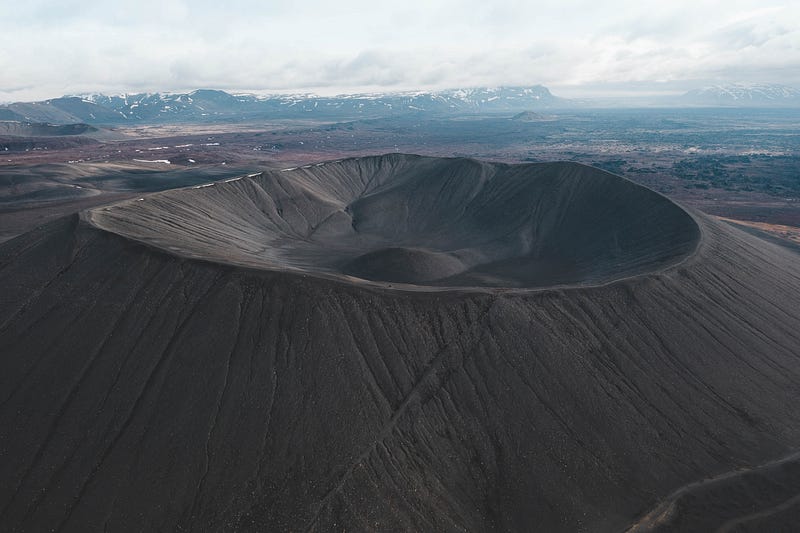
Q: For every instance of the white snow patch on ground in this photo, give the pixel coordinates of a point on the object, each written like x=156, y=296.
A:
x=163, y=161
x=203, y=186
x=288, y=169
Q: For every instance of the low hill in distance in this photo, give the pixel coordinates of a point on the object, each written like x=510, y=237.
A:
x=43, y=129
x=530, y=116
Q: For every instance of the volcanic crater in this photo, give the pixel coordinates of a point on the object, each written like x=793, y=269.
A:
x=420, y=221
x=230, y=357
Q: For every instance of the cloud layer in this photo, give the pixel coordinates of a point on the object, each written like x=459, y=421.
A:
x=49, y=47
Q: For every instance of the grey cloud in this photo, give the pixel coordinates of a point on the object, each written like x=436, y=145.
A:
x=51, y=47
x=744, y=35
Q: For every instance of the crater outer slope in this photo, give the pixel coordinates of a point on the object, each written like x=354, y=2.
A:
x=151, y=383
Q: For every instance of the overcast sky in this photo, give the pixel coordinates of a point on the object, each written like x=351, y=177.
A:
x=575, y=47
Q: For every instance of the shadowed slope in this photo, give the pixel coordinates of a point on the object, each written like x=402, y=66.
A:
x=140, y=389
x=766, y=498
x=409, y=219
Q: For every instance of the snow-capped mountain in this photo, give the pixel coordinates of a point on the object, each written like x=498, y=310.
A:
x=741, y=95
x=209, y=105
x=149, y=106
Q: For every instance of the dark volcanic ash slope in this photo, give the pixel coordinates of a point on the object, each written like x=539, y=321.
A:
x=208, y=359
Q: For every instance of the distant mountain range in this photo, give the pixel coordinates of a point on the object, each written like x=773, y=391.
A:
x=211, y=105
x=739, y=95
x=207, y=105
